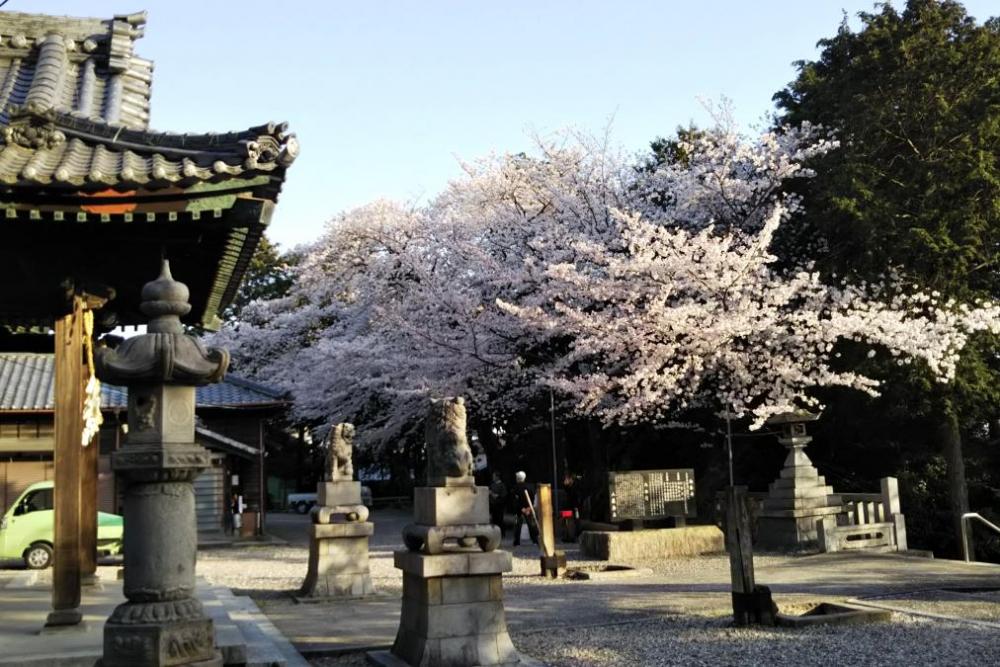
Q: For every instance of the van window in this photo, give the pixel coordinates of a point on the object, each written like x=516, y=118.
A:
x=39, y=500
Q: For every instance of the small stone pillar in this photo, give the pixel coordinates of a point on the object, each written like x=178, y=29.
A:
x=799, y=498
x=453, y=610
x=161, y=623
x=338, y=535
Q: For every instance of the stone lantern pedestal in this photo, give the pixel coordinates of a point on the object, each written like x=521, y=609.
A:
x=800, y=497
x=161, y=624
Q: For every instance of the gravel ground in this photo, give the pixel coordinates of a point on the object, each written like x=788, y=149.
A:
x=694, y=641
x=688, y=627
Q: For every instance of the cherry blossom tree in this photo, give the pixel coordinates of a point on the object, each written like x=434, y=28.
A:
x=689, y=308
x=634, y=292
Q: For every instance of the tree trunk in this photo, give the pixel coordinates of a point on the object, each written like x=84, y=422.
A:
x=958, y=492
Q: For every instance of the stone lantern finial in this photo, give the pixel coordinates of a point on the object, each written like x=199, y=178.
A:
x=165, y=301
x=164, y=353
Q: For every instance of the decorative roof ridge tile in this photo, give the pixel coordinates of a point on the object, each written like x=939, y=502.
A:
x=35, y=126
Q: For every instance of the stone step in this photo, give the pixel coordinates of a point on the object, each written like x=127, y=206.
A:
x=799, y=503
x=782, y=491
x=228, y=638
x=799, y=472
x=266, y=646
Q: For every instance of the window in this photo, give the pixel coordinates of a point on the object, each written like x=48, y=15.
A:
x=37, y=501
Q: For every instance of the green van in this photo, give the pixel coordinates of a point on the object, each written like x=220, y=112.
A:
x=26, y=529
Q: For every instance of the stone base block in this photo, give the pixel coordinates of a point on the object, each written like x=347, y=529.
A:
x=337, y=586
x=452, y=621
x=339, y=514
x=451, y=481
x=338, y=562
x=797, y=503
x=788, y=533
x=806, y=472
x=453, y=564
x=331, y=494
x=552, y=564
x=438, y=539
x=164, y=644
x=629, y=546
x=451, y=505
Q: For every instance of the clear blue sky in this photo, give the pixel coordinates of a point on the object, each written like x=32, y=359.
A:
x=385, y=96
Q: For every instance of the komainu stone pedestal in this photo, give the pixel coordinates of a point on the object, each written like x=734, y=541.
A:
x=451, y=517
x=453, y=613
x=338, y=544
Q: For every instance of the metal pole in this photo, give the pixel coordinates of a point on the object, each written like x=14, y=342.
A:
x=555, y=468
x=729, y=444
x=965, y=532
x=262, y=478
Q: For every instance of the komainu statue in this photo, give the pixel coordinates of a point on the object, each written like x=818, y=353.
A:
x=448, y=452
x=340, y=445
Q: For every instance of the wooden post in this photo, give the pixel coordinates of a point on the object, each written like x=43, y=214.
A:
x=545, y=527
x=751, y=603
x=68, y=460
x=88, y=511
x=739, y=540
x=551, y=559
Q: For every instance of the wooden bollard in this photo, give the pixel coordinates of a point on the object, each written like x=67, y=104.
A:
x=752, y=604
x=551, y=560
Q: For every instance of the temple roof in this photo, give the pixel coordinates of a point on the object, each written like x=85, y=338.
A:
x=89, y=195
x=48, y=147
x=27, y=383
x=82, y=66
x=74, y=103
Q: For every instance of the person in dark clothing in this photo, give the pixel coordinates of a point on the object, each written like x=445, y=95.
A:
x=569, y=508
x=498, y=503
x=523, y=493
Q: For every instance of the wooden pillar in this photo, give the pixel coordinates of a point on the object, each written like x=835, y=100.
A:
x=739, y=540
x=68, y=463
x=88, y=510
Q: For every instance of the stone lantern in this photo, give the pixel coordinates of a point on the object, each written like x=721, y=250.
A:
x=799, y=497
x=161, y=623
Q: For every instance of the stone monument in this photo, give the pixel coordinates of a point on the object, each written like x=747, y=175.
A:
x=161, y=623
x=338, y=535
x=799, y=497
x=452, y=610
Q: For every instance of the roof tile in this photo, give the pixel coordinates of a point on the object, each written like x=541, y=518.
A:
x=27, y=380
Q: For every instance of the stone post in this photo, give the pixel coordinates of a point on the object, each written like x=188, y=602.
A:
x=453, y=610
x=161, y=623
x=338, y=535
x=893, y=511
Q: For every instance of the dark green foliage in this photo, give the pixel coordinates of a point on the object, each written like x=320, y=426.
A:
x=269, y=276
x=914, y=97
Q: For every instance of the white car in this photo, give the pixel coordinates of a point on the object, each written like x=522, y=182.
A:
x=303, y=502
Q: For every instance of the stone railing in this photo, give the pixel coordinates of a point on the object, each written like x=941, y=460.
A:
x=868, y=521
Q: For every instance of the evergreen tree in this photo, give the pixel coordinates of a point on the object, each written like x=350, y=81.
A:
x=914, y=98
